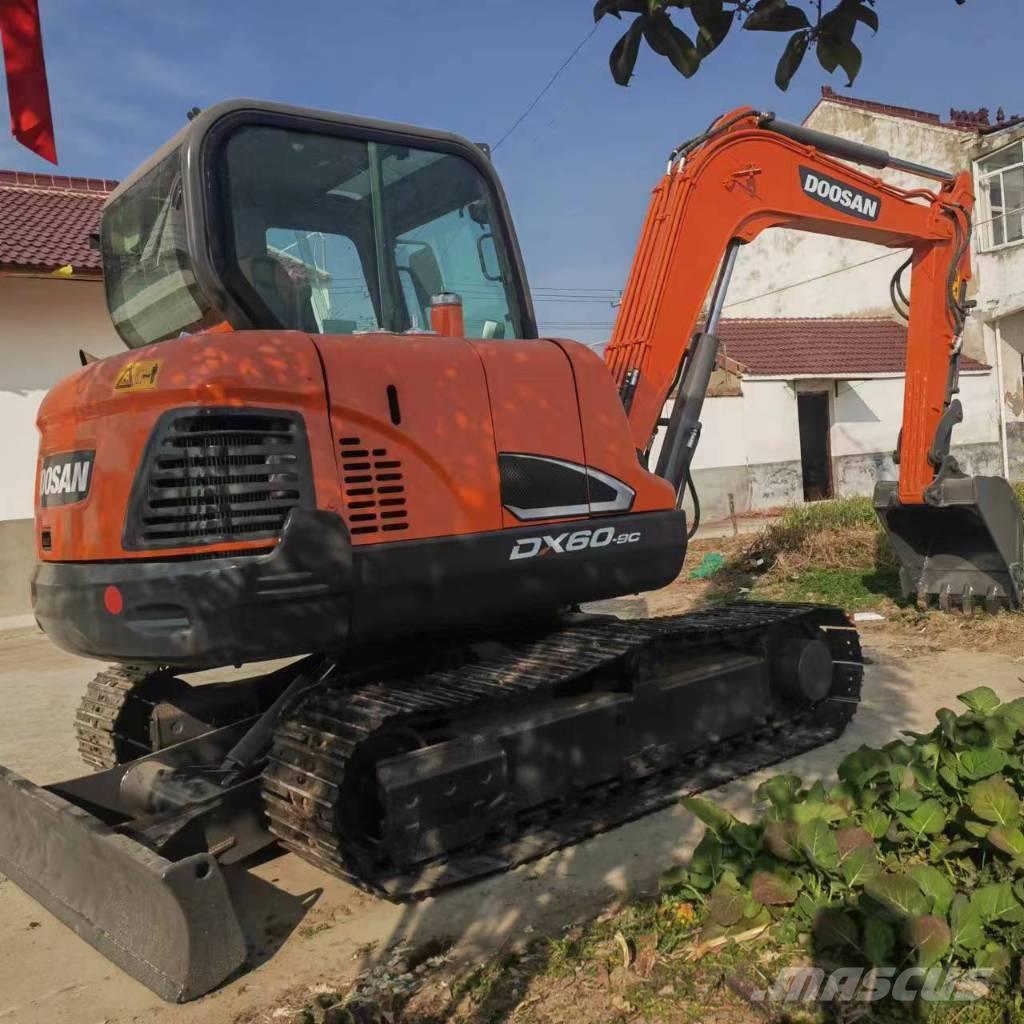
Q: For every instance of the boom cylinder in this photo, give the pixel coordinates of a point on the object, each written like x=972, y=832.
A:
x=684, y=426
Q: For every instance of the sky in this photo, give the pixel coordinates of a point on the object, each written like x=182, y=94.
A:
x=578, y=171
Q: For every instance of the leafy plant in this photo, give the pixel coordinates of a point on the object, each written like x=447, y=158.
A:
x=830, y=32
x=915, y=857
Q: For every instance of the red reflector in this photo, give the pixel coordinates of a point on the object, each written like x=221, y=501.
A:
x=113, y=600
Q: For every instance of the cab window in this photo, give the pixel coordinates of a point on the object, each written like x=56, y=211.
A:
x=335, y=235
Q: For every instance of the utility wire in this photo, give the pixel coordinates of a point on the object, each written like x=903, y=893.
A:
x=554, y=78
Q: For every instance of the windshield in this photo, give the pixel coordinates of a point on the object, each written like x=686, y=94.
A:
x=336, y=235
x=151, y=291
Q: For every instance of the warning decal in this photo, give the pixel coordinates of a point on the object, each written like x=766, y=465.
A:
x=138, y=376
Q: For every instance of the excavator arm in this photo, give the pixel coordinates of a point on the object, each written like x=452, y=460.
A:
x=747, y=175
x=750, y=172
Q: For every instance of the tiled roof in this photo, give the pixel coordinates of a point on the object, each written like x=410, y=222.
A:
x=825, y=347
x=961, y=120
x=46, y=220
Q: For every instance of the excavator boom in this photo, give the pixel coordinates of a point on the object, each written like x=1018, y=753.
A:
x=956, y=537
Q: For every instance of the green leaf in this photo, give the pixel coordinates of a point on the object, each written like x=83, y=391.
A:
x=994, y=901
x=834, y=929
x=672, y=42
x=807, y=906
x=928, y=819
x=994, y=958
x=867, y=16
x=876, y=821
x=808, y=810
x=673, y=877
x=781, y=839
x=952, y=849
x=1008, y=839
x=878, y=942
x=935, y=885
x=726, y=904
x=899, y=894
x=977, y=828
x=905, y=800
x=947, y=721
x=623, y=56
x=1012, y=712
x=1001, y=733
x=772, y=16
x=818, y=841
x=860, y=767
x=929, y=936
x=618, y=8
x=780, y=791
x=967, y=931
x=859, y=866
x=981, y=763
x=776, y=888
x=844, y=53
x=982, y=699
x=994, y=800
x=713, y=24
x=950, y=776
x=708, y=855
x=926, y=777
x=718, y=820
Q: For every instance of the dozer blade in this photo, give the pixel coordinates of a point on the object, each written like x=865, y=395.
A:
x=964, y=548
x=168, y=923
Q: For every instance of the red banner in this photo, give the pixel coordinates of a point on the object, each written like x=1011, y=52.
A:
x=27, y=92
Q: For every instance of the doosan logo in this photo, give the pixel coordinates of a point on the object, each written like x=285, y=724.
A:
x=65, y=479
x=839, y=196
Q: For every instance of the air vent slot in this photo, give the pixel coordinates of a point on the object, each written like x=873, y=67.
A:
x=215, y=475
x=373, y=489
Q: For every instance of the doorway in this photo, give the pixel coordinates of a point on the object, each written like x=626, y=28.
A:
x=815, y=453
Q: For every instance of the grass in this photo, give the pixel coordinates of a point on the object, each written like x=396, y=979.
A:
x=853, y=589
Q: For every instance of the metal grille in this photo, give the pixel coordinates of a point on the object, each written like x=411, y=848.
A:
x=220, y=474
x=374, y=489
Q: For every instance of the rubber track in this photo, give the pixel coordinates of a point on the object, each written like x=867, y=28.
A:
x=303, y=778
x=102, y=711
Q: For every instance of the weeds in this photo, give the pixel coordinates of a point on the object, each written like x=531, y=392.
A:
x=915, y=857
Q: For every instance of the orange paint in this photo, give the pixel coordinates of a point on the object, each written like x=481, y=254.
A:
x=740, y=183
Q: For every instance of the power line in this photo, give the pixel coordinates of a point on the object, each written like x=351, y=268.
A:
x=554, y=78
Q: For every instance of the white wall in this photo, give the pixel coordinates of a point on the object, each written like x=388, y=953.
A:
x=43, y=324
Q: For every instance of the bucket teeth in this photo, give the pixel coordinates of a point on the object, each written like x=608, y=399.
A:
x=967, y=600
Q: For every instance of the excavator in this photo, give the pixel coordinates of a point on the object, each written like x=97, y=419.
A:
x=338, y=446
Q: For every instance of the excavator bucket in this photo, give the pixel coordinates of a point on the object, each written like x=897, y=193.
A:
x=142, y=890
x=964, y=548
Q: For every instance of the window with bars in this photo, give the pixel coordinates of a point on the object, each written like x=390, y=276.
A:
x=1001, y=177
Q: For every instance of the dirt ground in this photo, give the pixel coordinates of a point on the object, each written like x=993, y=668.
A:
x=305, y=928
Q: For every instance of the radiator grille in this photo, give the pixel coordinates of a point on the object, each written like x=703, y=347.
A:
x=218, y=475
x=374, y=489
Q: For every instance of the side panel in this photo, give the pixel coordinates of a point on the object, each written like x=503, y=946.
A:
x=413, y=436
x=607, y=437
x=534, y=407
x=110, y=408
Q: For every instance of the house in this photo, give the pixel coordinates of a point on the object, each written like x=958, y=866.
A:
x=816, y=404
x=998, y=247
x=809, y=408
x=51, y=305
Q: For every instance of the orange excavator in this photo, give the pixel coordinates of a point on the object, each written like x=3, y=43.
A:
x=338, y=439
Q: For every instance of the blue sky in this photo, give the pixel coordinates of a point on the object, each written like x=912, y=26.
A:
x=578, y=171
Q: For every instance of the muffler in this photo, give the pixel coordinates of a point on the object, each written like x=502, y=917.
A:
x=130, y=859
x=963, y=548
